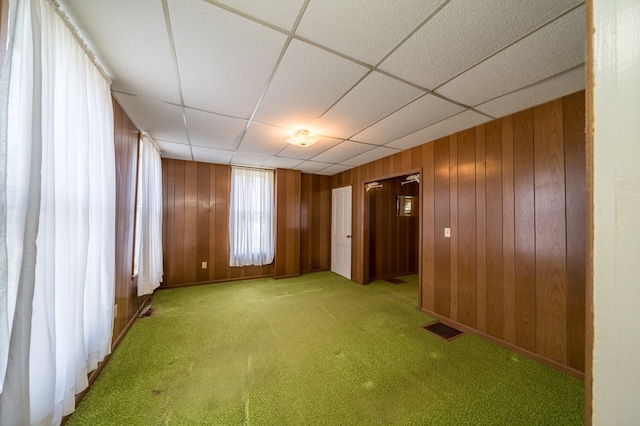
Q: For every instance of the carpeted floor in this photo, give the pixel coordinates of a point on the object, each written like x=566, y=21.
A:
x=316, y=350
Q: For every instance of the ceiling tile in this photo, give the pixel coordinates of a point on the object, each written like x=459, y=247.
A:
x=308, y=152
x=249, y=159
x=466, y=32
x=112, y=29
x=420, y=113
x=302, y=90
x=363, y=29
x=312, y=166
x=211, y=130
x=263, y=139
x=457, y=123
x=373, y=155
x=173, y=150
x=161, y=120
x=372, y=99
x=333, y=170
x=539, y=93
x=282, y=13
x=211, y=155
x=283, y=163
x=224, y=60
x=557, y=47
x=343, y=151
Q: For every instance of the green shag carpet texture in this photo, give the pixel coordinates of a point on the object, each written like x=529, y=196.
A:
x=316, y=350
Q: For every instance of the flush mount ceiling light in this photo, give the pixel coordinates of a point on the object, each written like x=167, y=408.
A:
x=303, y=138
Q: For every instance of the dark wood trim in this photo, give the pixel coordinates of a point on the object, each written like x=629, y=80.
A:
x=218, y=281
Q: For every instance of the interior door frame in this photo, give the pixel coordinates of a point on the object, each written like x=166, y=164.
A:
x=350, y=236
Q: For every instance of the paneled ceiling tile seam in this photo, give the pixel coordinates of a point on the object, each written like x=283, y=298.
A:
x=367, y=74
x=551, y=77
x=259, y=21
x=412, y=32
x=147, y=98
x=174, y=58
x=287, y=43
x=566, y=12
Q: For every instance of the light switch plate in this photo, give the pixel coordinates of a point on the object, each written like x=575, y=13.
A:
x=447, y=232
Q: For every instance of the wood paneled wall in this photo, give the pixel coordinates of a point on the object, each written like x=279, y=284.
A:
x=287, y=253
x=126, y=156
x=513, y=192
x=315, y=223
x=392, y=239
x=195, y=225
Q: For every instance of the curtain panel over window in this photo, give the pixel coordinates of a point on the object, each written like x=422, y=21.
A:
x=251, y=217
x=57, y=216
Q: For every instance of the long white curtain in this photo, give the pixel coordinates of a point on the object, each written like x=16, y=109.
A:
x=57, y=222
x=251, y=219
x=149, y=218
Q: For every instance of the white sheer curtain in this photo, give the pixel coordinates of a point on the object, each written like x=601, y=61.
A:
x=149, y=218
x=57, y=225
x=251, y=219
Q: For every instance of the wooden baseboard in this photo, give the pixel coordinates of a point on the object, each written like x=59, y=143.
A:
x=542, y=360
x=226, y=280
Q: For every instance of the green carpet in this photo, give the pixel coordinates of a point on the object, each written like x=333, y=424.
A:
x=315, y=350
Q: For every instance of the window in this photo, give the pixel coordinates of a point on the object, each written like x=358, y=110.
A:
x=251, y=217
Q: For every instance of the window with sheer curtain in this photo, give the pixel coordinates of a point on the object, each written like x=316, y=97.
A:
x=251, y=219
x=57, y=216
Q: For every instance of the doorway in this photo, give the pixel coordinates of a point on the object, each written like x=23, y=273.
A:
x=341, y=231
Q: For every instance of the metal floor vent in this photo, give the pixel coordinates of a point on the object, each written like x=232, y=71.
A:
x=443, y=330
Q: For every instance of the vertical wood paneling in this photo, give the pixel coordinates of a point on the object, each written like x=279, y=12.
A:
x=481, y=235
x=467, y=267
x=551, y=281
x=525, y=321
x=287, y=250
x=222, y=199
x=442, y=258
x=428, y=220
x=493, y=181
x=202, y=225
x=453, y=224
x=179, y=214
x=576, y=214
x=508, y=229
x=191, y=263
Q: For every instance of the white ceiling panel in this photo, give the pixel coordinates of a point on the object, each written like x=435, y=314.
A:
x=372, y=99
x=536, y=94
x=312, y=166
x=373, y=155
x=224, y=60
x=420, y=113
x=462, y=121
x=249, y=159
x=308, y=152
x=282, y=13
x=363, y=29
x=161, y=120
x=113, y=30
x=466, y=32
x=263, y=139
x=335, y=169
x=551, y=50
x=211, y=130
x=302, y=90
x=283, y=163
x=342, y=152
x=211, y=155
x=177, y=151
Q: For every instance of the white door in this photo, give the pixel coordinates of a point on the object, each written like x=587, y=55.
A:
x=341, y=231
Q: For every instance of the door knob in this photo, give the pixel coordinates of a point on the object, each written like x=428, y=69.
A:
x=348, y=236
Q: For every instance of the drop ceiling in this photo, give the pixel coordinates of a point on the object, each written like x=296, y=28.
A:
x=229, y=81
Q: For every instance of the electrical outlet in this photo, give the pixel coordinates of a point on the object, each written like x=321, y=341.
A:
x=204, y=265
x=447, y=232
x=115, y=310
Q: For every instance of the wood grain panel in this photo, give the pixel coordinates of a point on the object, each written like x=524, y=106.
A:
x=508, y=230
x=358, y=273
x=428, y=221
x=191, y=264
x=467, y=238
x=203, y=211
x=453, y=224
x=493, y=182
x=287, y=249
x=576, y=213
x=525, y=255
x=222, y=199
x=179, y=212
x=551, y=274
x=442, y=249
x=481, y=232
